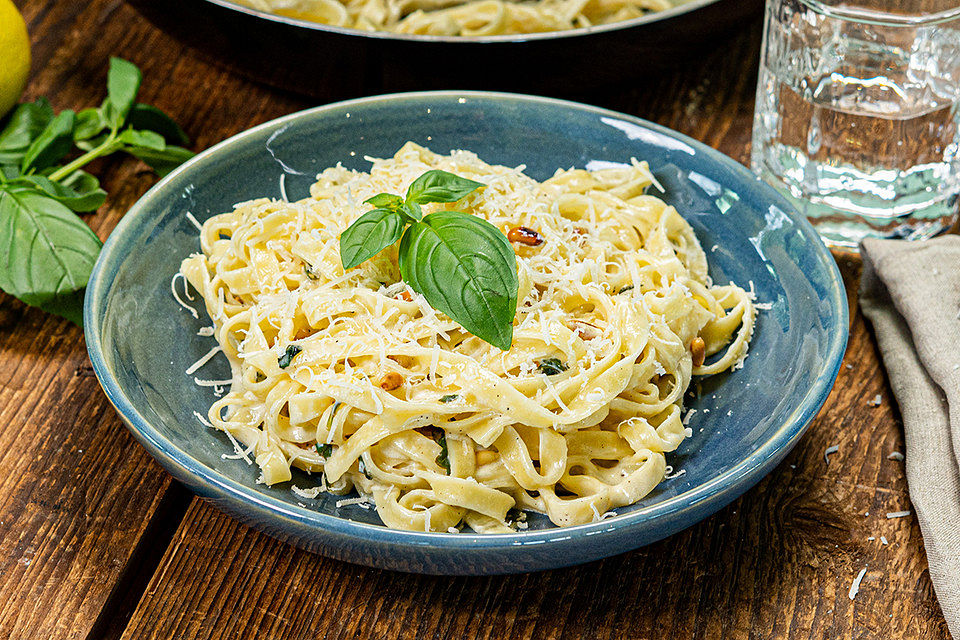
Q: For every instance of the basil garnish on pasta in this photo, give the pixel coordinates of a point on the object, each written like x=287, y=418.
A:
x=373, y=232
x=463, y=265
x=440, y=186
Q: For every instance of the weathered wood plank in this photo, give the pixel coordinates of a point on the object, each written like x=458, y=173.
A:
x=82, y=506
x=75, y=491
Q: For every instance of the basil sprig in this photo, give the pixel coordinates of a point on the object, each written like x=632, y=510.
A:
x=463, y=265
x=46, y=251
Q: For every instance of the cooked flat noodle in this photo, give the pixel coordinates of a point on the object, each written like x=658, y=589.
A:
x=573, y=421
x=470, y=18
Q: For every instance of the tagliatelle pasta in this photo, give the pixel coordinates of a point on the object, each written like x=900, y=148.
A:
x=354, y=378
x=470, y=18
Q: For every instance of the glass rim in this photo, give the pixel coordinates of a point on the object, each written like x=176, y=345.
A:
x=883, y=18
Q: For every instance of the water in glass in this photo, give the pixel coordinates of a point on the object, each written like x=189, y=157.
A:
x=857, y=122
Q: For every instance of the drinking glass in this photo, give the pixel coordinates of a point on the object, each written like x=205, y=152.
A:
x=856, y=117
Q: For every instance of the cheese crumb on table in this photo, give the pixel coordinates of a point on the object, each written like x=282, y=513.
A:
x=855, y=587
x=830, y=451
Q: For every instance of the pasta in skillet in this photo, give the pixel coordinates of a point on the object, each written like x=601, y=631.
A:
x=462, y=17
x=354, y=378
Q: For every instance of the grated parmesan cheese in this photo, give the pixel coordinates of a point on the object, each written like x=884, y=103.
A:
x=310, y=493
x=855, y=587
x=896, y=455
x=596, y=513
x=186, y=292
x=897, y=514
x=241, y=453
x=211, y=383
x=361, y=501
x=203, y=420
x=204, y=359
x=830, y=451
x=195, y=222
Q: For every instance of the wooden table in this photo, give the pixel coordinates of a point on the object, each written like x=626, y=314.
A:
x=97, y=541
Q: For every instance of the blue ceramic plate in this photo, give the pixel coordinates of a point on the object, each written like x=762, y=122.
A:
x=141, y=341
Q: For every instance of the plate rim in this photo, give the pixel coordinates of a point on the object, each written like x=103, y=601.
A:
x=215, y=485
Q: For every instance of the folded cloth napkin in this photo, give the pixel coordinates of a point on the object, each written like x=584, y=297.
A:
x=910, y=291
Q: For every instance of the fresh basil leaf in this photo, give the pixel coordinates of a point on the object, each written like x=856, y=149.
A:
x=163, y=162
x=325, y=450
x=10, y=157
x=464, y=266
x=411, y=211
x=93, y=143
x=440, y=186
x=123, y=83
x=79, y=192
x=10, y=171
x=26, y=122
x=81, y=181
x=46, y=251
x=369, y=234
x=145, y=139
x=90, y=122
x=148, y=118
x=87, y=188
x=385, y=201
x=67, y=305
x=51, y=145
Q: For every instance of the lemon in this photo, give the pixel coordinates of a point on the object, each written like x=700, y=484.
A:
x=15, y=45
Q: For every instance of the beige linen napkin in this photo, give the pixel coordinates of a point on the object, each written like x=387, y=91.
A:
x=910, y=291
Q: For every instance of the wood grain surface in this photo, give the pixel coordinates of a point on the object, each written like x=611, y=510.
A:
x=96, y=541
